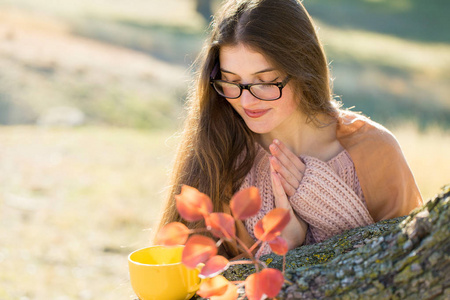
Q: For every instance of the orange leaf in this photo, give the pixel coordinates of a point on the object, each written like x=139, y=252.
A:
x=230, y=294
x=245, y=203
x=253, y=287
x=214, y=266
x=215, y=286
x=172, y=234
x=270, y=282
x=222, y=225
x=258, y=230
x=269, y=227
x=193, y=205
x=279, y=246
x=198, y=249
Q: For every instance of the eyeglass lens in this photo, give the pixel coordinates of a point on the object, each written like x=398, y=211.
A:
x=261, y=91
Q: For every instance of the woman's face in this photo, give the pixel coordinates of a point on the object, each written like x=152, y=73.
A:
x=243, y=65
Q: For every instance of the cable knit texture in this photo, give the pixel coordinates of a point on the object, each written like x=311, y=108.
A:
x=329, y=198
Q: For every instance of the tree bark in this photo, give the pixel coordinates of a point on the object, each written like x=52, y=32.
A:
x=402, y=258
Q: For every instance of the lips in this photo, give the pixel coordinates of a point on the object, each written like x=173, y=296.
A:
x=256, y=113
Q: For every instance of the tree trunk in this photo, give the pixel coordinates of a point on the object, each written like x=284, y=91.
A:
x=402, y=258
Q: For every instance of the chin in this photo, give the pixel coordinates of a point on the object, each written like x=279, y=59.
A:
x=259, y=129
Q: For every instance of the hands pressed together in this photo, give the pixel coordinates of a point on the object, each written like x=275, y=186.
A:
x=287, y=171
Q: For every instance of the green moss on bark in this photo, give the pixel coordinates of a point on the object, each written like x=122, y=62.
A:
x=402, y=258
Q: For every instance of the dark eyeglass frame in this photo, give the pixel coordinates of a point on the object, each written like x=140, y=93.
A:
x=247, y=87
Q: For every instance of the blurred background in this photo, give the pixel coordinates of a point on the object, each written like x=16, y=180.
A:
x=91, y=99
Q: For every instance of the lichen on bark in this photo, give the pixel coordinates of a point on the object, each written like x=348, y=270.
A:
x=402, y=258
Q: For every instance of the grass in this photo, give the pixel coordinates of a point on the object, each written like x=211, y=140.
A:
x=414, y=20
x=391, y=79
x=111, y=84
x=73, y=204
x=427, y=154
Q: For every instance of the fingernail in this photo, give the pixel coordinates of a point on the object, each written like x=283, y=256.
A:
x=276, y=141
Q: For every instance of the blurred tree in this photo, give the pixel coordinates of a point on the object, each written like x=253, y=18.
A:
x=204, y=7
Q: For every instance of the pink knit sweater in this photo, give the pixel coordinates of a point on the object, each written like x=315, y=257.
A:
x=329, y=197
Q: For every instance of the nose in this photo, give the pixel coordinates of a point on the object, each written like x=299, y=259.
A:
x=247, y=99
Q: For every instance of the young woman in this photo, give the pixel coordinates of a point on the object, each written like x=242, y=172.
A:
x=262, y=114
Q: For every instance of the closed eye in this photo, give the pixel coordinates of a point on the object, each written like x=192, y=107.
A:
x=269, y=81
x=227, y=80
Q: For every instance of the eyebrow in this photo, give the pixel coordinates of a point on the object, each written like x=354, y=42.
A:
x=256, y=73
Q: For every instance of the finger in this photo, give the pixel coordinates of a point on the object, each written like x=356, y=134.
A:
x=288, y=189
x=281, y=199
x=284, y=172
x=277, y=187
x=286, y=156
x=290, y=167
x=289, y=154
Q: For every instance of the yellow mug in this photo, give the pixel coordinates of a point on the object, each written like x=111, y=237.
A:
x=156, y=273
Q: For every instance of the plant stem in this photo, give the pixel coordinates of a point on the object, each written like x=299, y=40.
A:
x=198, y=230
x=255, y=245
x=249, y=252
x=241, y=262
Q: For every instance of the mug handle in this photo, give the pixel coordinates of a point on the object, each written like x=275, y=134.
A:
x=196, y=287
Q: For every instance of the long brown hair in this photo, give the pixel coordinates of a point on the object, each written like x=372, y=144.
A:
x=217, y=149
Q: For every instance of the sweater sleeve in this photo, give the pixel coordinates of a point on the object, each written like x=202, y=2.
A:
x=326, y=202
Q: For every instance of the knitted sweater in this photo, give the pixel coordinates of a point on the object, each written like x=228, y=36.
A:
x=333, y=197
x=329, y=197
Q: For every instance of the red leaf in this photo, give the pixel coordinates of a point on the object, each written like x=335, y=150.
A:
x=252, y=287
x=172, y=234
x=269, y=227
x=214, y=266
x=193, y=205
x=245, y=203
x=279, y=246
x=230, y=294
x=258, y=230
x=267, y=282
x=198, y=249
x=222, y=225
x=215, y=286
x=270, y=282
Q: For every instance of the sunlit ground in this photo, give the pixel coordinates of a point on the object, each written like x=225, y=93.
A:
x=73, y=203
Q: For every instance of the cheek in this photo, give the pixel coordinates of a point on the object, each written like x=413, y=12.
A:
x=290, y=101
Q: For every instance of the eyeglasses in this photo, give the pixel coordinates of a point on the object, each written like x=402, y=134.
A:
x=263, y=91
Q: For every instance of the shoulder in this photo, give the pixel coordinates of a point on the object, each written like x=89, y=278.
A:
x=368, y=143
x=352, y=123
x=385, y=177
x=357, y=131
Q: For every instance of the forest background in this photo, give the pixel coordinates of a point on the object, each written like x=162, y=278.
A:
x=91, y=103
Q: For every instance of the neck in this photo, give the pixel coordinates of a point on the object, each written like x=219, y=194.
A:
x=305, y=138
